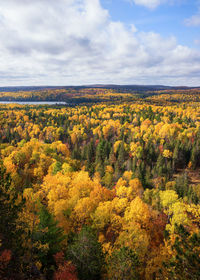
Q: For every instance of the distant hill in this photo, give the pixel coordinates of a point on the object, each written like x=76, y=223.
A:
x=92, y=93
x=126, y=88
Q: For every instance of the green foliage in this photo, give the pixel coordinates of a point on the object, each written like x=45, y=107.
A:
x=10, y=235
x=160, y=165
x=86, y=253
x=123, y=264
x=186, y=261
x=50, y=237
x=57, y=166
x=182, y=185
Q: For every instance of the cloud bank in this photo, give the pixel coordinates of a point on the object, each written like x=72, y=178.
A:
x=74, y=42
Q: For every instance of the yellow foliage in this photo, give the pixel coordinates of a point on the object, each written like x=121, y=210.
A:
x=116, y=145
x=178, y=214
x=168, y=198
x=167, y=154
x=120, y=205
x=128, y=175
x=109, y=169
x=170, y=185
x=102, y=215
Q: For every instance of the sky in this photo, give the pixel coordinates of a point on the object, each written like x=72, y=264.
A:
x=83, y=42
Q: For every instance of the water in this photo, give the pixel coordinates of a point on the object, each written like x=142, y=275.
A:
x=34, y=102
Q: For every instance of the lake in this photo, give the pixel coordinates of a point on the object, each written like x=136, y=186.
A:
x=34, y=102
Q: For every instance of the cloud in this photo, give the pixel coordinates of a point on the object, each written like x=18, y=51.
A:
x=73, y=42
x=151, y=4
x=193, y=21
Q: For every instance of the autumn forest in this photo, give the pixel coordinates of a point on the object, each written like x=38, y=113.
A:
x=104, y=187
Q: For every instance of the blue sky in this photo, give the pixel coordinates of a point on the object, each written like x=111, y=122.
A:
x=76, y=42
x=167, y=19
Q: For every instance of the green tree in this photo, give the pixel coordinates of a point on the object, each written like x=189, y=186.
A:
x=86, y=253
x=186, y=260
x=182, y=184
x=121, y=155
x=123, y=265
x=48, y=234
x=9, y=234
x=160, y=165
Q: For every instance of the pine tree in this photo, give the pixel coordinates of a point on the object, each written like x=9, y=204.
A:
x=186, y=260
x=9, y=234
x=121, y=155
x=123, y=265
x=160, y=165
x=182, y=185
x=48, y=233
x=86, y=253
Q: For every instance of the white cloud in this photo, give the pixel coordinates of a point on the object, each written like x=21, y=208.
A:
x=72, y=42
x=151, y=4
x=133, y=28
x=193, y=21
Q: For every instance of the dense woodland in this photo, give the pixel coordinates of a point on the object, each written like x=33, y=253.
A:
x=106, y=190
x=85, y=95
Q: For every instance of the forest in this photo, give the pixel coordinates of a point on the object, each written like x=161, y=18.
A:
x=107, y=188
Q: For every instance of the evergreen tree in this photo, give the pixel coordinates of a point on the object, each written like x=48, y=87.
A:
x=90, y=152
x=182, y=185
x=123, y=265
x=48, y=233
x=118, y=172
x=86, y=253
x=195, y=156
x=76, y=153
x=9, y=234
x=121, y=155
x=160, y=165
x=186, y=260
x=100, y=152
x=175, y=157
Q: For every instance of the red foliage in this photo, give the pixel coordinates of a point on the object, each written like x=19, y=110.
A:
x=193, y=139
x=157, y=230
x=59, y=258
x=5, y=258
x=66, y=270
x=161, y=149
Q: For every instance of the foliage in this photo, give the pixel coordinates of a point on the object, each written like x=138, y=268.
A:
x=105, y=190
x=123, y=265
x=185, y=261
x=86, y=253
